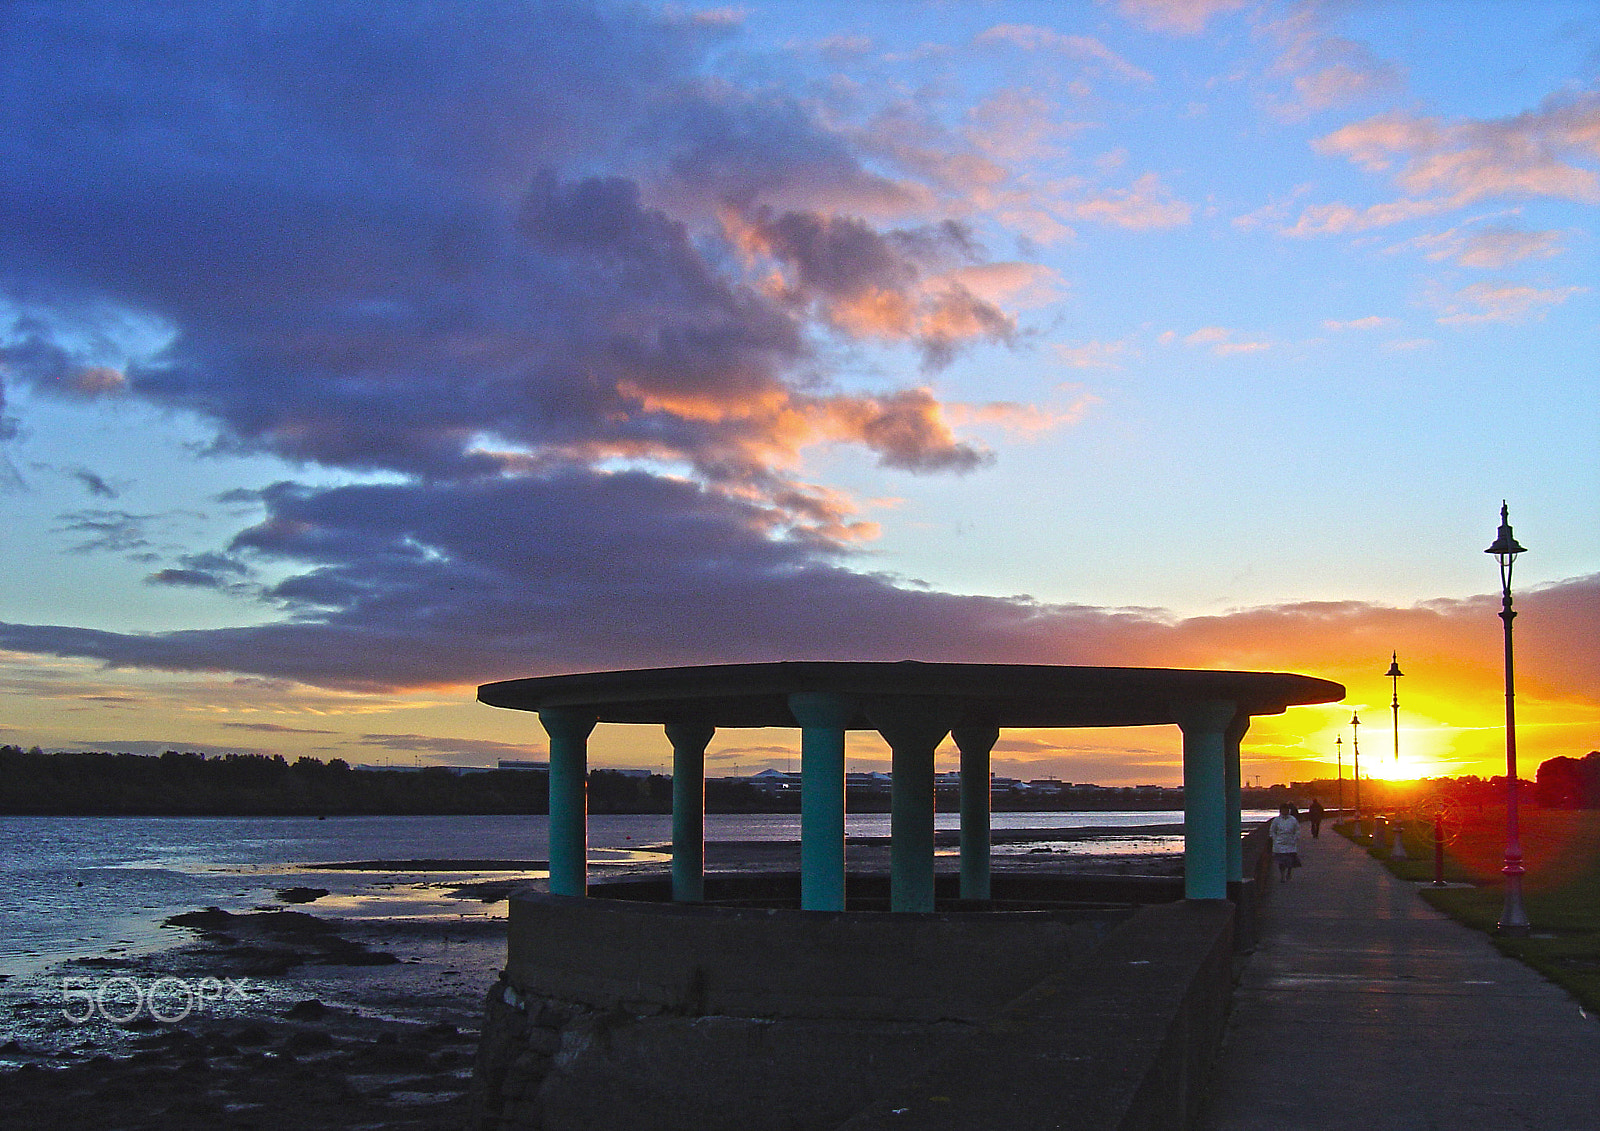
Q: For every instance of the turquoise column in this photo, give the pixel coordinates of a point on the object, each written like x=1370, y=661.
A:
x=1235, y=800
x=823, y=718
x=569, y=797
x=1205, y=794
x=975, y=744
x=689, y=741
x=913, y=729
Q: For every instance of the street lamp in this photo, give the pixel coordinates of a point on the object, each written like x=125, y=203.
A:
x=1338, y=752
x=1394, y=673
x=1513, y=920
x=1355, y=762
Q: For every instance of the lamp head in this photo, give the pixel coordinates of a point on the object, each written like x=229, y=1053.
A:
x=1505, y=546
x=1394, y=666
x=1355, y=719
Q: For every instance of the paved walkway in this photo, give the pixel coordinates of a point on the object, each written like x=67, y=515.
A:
x=1364, y=1008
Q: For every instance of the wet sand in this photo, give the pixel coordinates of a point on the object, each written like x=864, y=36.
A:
x=297, y=1016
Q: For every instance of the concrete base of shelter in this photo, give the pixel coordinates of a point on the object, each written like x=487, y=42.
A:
x=630, y=1013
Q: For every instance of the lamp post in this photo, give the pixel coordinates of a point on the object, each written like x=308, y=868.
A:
x=1394, y=673
x=1513, y=919
x=1338, y=752
x=1355, y=763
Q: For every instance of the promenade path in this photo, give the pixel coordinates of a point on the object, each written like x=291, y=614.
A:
x=1364, y=1008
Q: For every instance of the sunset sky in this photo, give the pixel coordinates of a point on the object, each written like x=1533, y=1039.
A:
x=355, y=353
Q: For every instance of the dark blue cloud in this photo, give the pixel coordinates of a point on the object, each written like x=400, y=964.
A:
x=487, y=250
x=411, y=585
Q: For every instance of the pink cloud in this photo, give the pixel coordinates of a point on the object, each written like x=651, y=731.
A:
x=1220, y=339
x=1490, y=247
x=1328, y=70
x=1084, y=48
x=1146, y=204
x=1371, y=322
x=1501, y=302
x=1533, y=154
x=1341, y=219
x=1091, y=355
x=1176, y=17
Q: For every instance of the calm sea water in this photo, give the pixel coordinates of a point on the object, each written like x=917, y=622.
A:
x=82, y=886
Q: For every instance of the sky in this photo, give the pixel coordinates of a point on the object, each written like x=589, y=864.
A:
x=353, y=354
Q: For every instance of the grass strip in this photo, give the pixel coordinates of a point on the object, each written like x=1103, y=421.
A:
x=1561, y=890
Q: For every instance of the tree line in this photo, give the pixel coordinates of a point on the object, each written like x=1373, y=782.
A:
x=1570, y=783
x=191, y=784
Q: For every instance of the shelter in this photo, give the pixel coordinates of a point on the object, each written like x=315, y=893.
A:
x=913, y=706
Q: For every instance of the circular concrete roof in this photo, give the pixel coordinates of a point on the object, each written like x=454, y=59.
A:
x=1004, y=695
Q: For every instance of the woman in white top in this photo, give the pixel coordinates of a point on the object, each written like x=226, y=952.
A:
x=1285, y=833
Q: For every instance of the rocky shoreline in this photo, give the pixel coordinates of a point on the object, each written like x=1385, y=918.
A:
x=286, y=1019
x=275, y=1019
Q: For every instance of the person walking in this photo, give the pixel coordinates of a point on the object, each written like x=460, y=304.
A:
x=1284, y=831
x=1315, y=814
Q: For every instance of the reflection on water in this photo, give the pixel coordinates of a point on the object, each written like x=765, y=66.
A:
x=1095, y=846
x=82, y=886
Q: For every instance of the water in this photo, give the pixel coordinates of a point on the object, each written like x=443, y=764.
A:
x=75, y=887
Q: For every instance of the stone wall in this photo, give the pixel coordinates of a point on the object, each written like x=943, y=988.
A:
x=656, y=1017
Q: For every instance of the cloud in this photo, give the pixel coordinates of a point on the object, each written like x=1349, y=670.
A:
x=1490, y=247
x=393, y=589
x=1175, y=17
x=460, y=245
x=479, y=748
x=1547, y=152
x=1091, y=354
x=1144, y=205
x=1083, y=48
x=1025, y=419
x=1220, y=340
x=1018, y=124
x=1326, y=70
x=895, y=286
x=1371, y=322
x=93, y=483
x=1501, y=302
x=1342, y=219
x=1446, y=165
x=107, y=530
x=189, y=578
x=275, y=728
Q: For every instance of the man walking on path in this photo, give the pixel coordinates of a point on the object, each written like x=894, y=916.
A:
x=1284, y=831
x=1314, y=814
x=1362, y=1008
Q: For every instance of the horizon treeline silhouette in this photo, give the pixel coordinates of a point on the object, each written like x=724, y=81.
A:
x=34, y=783
x=192, y=784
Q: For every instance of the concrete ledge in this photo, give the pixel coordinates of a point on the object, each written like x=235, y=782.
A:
x=1122, y=1042
x=763, y=962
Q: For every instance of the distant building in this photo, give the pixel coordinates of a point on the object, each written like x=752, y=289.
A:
x=522, y=764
